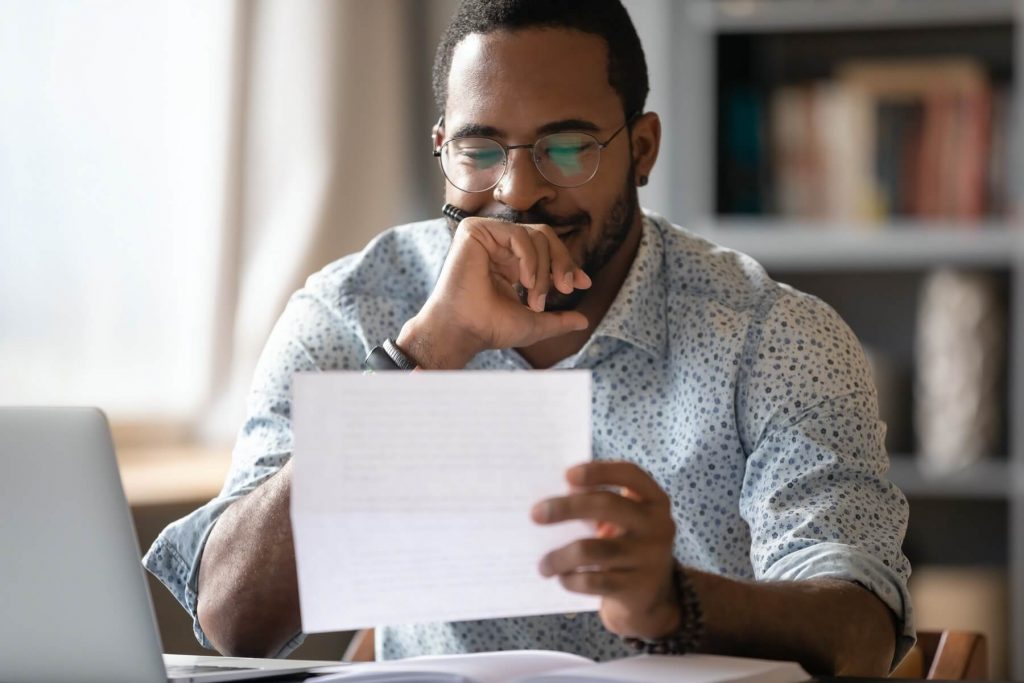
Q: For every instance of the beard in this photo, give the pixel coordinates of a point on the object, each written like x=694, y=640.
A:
x=595, y=257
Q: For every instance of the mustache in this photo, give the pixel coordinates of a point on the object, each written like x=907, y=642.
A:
x=542, y=217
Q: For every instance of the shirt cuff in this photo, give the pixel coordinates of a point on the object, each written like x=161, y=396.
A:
x=839, y=561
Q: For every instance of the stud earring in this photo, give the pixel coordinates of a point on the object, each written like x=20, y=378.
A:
x=642, y=180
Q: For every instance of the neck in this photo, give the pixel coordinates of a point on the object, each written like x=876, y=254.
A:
x=594, y=304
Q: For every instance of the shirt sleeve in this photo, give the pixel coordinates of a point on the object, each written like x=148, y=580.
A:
x=311, y=335
x=815, y=493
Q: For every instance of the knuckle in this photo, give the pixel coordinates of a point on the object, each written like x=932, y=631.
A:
x=548, y=233
x=598, y=549
x=607, y=500
x=664, y=529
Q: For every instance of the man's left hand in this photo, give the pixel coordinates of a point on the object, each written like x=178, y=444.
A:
x=629, y=560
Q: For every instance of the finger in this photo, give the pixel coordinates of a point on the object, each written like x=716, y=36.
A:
x=563, y=268
x=523, y=247
x=581, y=280
x=590, y=554
x=542, y=278
x=498, y=241
x=617, y=473
x=597, y=583
x=551, y=324
x=603, y=506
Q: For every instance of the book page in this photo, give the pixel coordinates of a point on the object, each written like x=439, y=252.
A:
x=480, y=667
x=411, y=494
x=691, y=668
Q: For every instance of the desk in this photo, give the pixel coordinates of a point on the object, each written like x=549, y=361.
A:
x=816, y=679
x=168, y=475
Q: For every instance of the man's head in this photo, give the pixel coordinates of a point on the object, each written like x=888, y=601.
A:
x=515, y=70
x=606, y=19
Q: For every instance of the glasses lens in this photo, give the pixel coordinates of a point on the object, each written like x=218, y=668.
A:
x=472, y=164
x=568, y=159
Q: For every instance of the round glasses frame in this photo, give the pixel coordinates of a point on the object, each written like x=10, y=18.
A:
x=439, y=152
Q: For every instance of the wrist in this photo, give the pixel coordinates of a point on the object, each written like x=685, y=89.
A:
x=433, y=346
x=683, y=629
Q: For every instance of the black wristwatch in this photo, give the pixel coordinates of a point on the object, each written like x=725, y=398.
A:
x=387, y=356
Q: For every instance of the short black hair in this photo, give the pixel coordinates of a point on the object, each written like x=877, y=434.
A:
x=608, y=19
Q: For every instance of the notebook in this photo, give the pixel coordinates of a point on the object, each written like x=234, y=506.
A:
x=73, y=596
x=533, y=666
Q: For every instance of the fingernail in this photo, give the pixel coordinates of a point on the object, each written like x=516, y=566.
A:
x=568, y=279
x=541, y=300
x=540, y=512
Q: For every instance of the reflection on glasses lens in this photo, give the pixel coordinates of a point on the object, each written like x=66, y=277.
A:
x=567, y=159
x=473, y=164
x=477, y=164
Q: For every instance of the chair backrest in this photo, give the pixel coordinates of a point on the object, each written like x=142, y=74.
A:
x=946, y=655
x=360, y=648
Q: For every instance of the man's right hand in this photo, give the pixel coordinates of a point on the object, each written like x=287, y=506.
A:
x=475, y=306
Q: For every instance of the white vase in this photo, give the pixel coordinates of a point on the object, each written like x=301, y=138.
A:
x=960, y=367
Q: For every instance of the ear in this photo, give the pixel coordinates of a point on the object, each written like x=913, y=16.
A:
x=437, y=134
x=646, y=138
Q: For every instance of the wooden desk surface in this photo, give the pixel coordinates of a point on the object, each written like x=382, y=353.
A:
x=172, y=474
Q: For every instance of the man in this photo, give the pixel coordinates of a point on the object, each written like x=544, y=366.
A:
x=735, y=416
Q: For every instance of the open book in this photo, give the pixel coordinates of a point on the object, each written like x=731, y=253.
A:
x=537, y=666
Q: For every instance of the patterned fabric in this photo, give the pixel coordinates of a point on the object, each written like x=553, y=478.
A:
x=750, y=403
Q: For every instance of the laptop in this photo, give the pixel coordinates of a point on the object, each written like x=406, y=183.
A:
x=74, y=603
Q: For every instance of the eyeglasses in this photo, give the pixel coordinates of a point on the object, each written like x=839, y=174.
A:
x=477, y=164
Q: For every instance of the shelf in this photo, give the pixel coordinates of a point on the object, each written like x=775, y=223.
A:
x=991, y=478
x=806, y=246
x=763, y=16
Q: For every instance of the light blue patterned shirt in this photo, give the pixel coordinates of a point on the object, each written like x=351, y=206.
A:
x=750, y=403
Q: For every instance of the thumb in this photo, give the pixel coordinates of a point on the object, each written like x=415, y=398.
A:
x=553, y=324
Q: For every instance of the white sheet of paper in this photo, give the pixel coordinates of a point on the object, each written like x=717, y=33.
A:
x=411, y=494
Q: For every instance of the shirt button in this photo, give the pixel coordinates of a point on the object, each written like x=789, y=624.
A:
x=594, y=350
x=570, y=615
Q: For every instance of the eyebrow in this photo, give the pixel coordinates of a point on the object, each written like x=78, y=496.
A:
x=480, y=130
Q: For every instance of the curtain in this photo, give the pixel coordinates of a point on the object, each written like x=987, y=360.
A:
x=326, y=127
x=170, y=172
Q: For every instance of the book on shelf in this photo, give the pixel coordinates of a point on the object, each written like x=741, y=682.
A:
x=920, y=139
x=538, y=666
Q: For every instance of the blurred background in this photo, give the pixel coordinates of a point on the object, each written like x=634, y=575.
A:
x=171, y=171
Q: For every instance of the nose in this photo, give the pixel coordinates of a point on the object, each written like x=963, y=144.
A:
x=522, y=185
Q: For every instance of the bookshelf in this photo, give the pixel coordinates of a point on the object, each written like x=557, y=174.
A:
x=895, y=246
x=870, y=270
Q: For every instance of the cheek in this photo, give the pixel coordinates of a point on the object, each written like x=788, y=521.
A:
x=579, y=244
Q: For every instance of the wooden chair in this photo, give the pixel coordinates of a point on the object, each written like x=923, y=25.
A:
x=946, y=655
x=360, y=648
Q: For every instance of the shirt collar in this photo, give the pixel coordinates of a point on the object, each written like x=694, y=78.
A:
x=637, y=314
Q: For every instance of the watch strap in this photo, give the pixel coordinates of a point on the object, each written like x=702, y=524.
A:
x=397, y=355
x=387, y=356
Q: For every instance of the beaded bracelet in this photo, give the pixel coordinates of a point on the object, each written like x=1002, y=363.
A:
x=688, y=636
